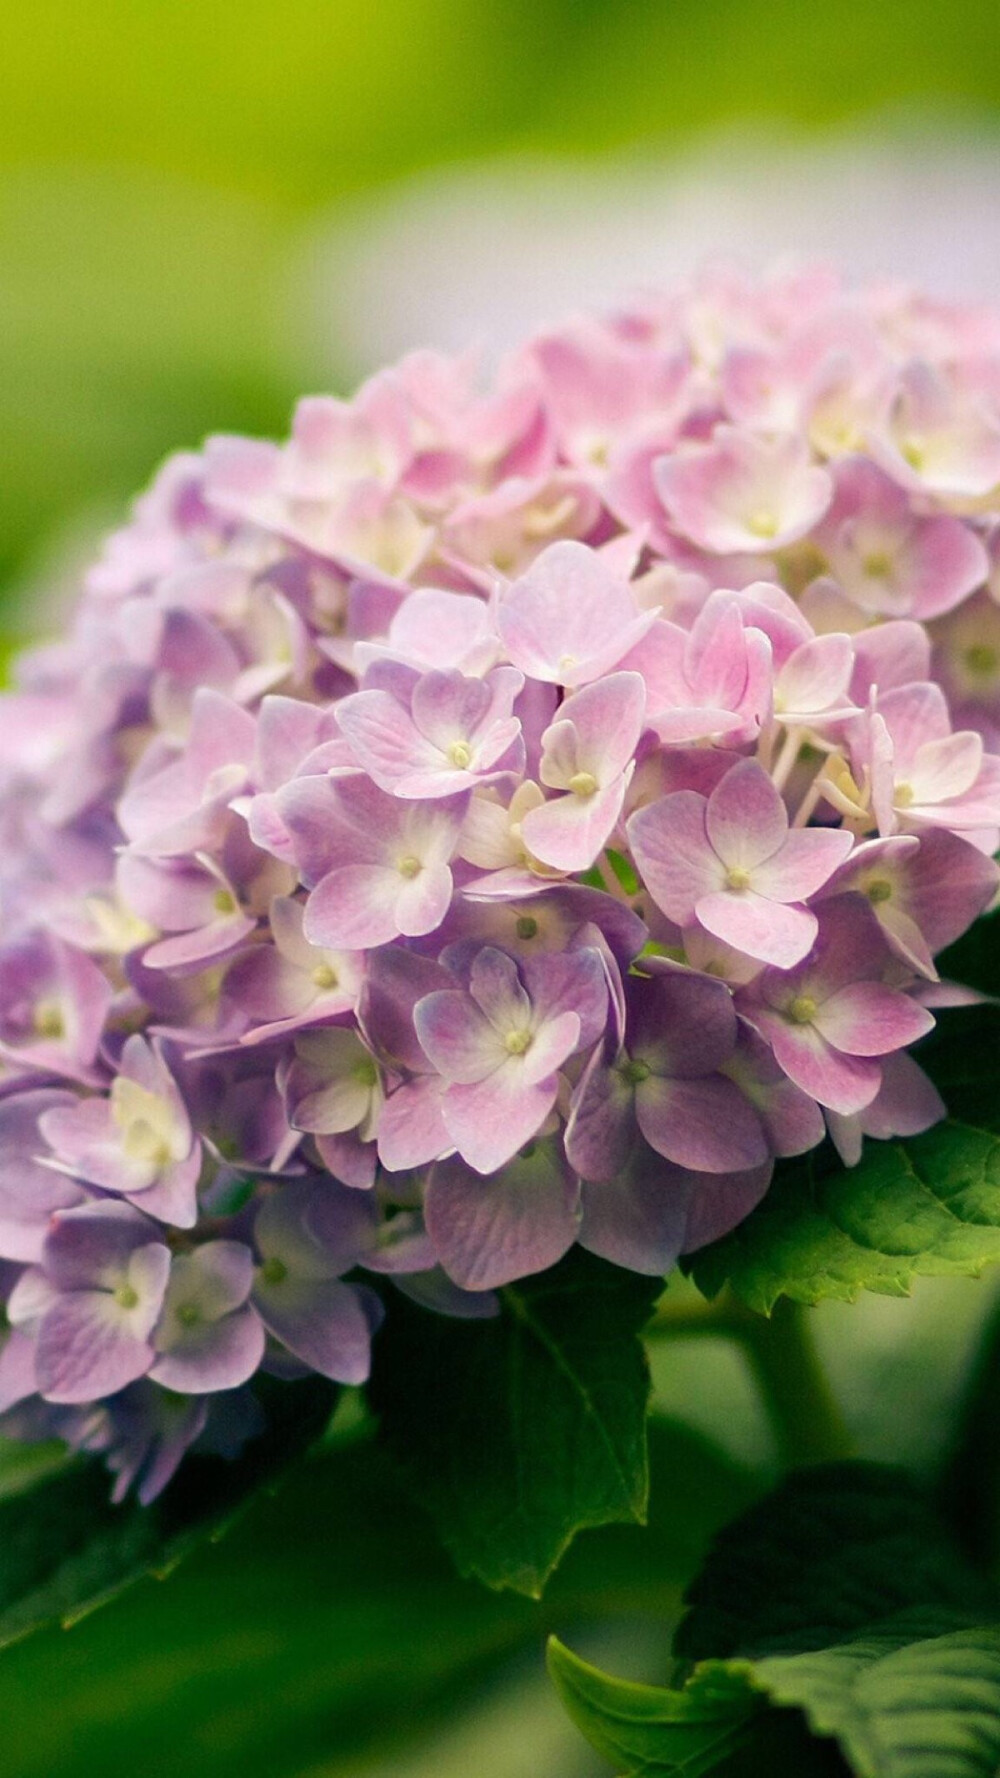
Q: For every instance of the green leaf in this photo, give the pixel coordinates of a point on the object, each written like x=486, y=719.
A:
x=843, y=1607
x=921, y=1206
x=830, y=1551
x=898, y=1704
x=329, y=1629
x=65, y=1549
x=716, y=1724
x=518, y=1432
x=907, y=1700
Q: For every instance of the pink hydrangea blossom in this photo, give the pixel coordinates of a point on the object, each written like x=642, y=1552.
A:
x=507, y=814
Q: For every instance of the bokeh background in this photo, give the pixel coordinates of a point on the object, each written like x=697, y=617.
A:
x=206, y=209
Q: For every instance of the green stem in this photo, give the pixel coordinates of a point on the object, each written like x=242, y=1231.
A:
x=806, y=1420
x=808, y=1425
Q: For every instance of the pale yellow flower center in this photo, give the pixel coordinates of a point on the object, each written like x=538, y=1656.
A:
x=803, y=1010
x=146, y=1121
x=47, y=1019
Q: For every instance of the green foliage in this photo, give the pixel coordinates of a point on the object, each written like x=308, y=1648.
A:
x=520, y=1431
x=840, y=1600
x=828, y=1552
x=927, y=1205
x=64, y=1548
x=329, y=1627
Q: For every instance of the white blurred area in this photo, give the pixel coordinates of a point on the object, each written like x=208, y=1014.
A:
x=488, y=252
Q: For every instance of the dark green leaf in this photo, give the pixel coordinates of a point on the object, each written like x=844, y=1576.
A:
x=909, y=1699
x=64, y=1548
x=830, y=1551
x=923, y=1206
x=518, y=1432
x=330, y=1627
x=842, y=1606
x=717, y=1724
x=975, y=957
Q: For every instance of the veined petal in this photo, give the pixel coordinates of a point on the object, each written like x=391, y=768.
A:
x=803, y=863
x=488, y=1121
x=745, y=818
x=705, y=1124
x=457, y=1038
x=870, y=1019
x=673, y=852
x=768, y=930
x=840, y=1082
x=489, y=1232
x=570, y=832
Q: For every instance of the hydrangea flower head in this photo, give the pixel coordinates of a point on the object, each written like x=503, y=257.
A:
x=508, y=814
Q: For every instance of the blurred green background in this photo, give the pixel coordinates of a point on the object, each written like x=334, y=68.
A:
x=161, y=164
x=163, y=167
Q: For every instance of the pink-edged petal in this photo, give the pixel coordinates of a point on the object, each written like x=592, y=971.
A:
x=496, y=988
x=792, y=1121
x=173, y=1196
x=801, y=866
x=767, y=930
x=353, y=908
x=949, y=562
x=446, y=705
x=570, y=832
x=672, y=850
x=842, y=1083
x=489, y=1120
x=816, y=676
x=745, y=818
x=951, y=884
x=871, y=1019
x=569, y=619
x=383, y=738
x=946, y=768
x=705, y=1124
x=906, y=939
x=607, y=718
x=190, y=952
x=411, y=1129
x=488, y=1232
x=570, y=981
x=675, y=728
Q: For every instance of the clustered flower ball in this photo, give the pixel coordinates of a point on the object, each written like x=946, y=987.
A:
x=505, y=815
